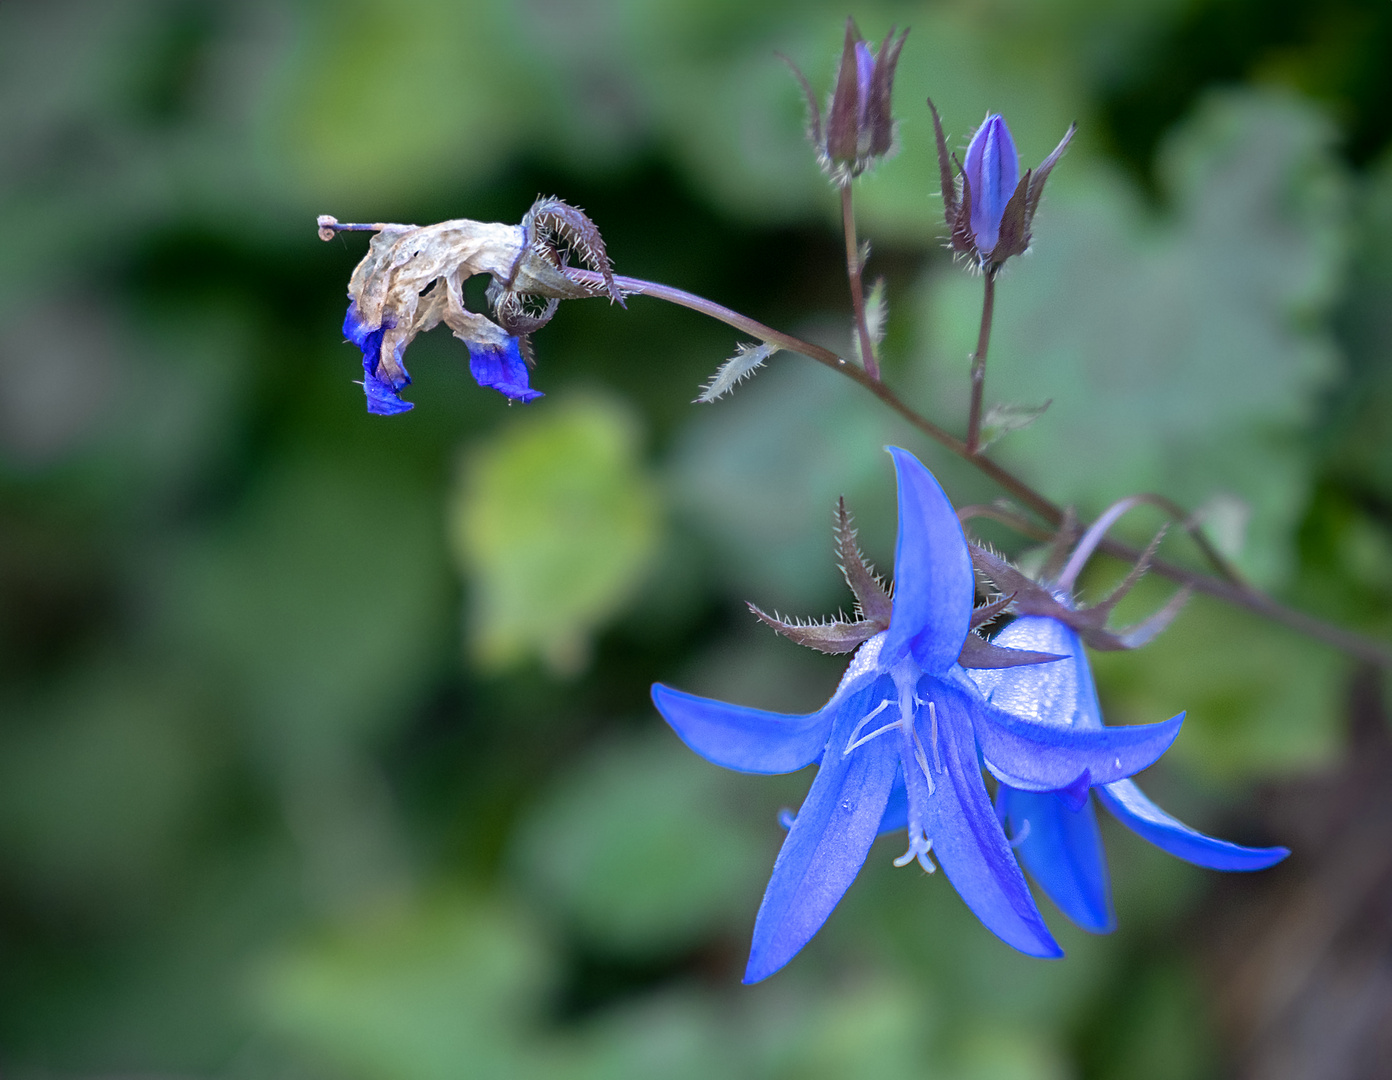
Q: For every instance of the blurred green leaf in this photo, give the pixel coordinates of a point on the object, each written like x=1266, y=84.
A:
x=761, y=471
x=642, y=849
x=439, y=991
x=553, y=524
x=391, y=99
x=102, y=789
x=1260, y=700
x=321, y=598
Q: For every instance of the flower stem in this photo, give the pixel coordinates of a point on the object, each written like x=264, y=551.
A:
x=853, y=272
x=1233, y=592
x=978, y=367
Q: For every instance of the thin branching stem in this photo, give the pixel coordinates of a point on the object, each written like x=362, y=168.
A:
x=1231, y=591
x=978, y=362
x=853, y=274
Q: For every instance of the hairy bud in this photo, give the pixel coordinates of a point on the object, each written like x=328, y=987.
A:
x=989, y=206
x=859, y=126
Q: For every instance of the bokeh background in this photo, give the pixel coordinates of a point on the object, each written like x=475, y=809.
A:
x=325, y=747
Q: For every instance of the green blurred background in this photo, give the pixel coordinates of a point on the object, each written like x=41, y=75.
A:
x=325, y=747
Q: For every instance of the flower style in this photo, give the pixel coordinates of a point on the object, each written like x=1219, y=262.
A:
x=412, y=279
x=906, y=716
x=1057, y=835
x=860, y=127
x=991, y=210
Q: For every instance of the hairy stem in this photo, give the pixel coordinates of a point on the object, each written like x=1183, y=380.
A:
x=978, y=363
x=1232, y=591
x=853, y=272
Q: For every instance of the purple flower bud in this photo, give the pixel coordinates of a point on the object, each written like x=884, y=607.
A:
x=859, y=125
x=865, y=75
x=993, y=171
x=990, y=209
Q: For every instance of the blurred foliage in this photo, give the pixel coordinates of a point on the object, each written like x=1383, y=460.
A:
x=325, y=746
x=555, y=526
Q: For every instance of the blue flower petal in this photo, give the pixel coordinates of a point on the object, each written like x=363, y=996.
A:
x=1060, y=693
x=896, y=814
x=826, y=846
x=966, y=834
x=1062, y=849
x=1126, y=802
x=382, y=396
x=382, y=399
x=993, y=171
x=737, y=737
x=934, y=588
x=502, y=368
x=357, y=331
x=1044, y=757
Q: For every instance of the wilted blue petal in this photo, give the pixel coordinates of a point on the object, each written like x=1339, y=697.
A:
x=934, y=588
x=1126, y=801
x=382, y=398
x=1061, y=847
x=1060, y=693
x=966, y=834
x=737, y=737
x=1044, y=757
x=825, y=848
x=502, y=368
x=993, y=171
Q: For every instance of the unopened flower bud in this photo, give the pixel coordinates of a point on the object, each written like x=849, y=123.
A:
x=993, y=172
x=990, y=207
x=860, y=125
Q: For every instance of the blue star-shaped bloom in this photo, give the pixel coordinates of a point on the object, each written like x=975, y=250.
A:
x=1057, y=836
x=900, y=743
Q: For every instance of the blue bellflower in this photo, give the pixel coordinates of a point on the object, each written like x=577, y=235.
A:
x=1057, y=835
x=900, y=744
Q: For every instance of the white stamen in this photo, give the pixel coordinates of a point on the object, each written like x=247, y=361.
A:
x=922, y=758
x=865, y=739
x=1022, y=835
x=919, y=847
x=851, y=743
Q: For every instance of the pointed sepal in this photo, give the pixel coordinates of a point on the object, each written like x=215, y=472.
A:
x=831, y=636
x=872, y=600
x=977, y=652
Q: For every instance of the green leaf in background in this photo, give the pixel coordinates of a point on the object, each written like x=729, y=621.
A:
x=645, y=849
x=1260, y=699
x=440, y=990
x=761, y=471
x=1185, y=355
x=553, y=524
x=394, y=98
